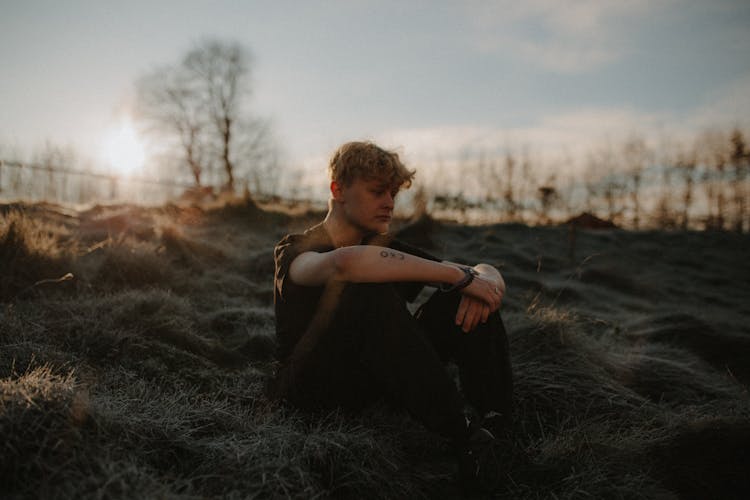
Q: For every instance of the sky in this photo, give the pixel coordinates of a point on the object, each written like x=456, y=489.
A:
x=432, y=79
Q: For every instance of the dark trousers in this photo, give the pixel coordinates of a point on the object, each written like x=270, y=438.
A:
x=367, y=346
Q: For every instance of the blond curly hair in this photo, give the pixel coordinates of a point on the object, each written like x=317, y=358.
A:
x=365, y=160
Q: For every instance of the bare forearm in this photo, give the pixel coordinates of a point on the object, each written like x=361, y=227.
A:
x=373, y=264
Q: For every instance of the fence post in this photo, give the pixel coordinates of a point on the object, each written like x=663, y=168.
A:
x=112, y=187
x=57, y=181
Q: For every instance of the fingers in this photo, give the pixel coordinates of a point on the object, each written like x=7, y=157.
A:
x=480, y=299
x=473, y=313
x=472, y=317
x=469, y=320
x=463, y=306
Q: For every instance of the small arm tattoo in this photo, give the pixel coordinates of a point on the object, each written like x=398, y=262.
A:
x=390, y=253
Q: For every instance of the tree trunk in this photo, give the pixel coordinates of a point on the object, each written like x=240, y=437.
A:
x=228, y=167
x=688, y=201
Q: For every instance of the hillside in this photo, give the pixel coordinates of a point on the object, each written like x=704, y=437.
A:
x=135, y=342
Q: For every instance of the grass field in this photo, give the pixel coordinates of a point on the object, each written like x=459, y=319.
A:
x=135, y=342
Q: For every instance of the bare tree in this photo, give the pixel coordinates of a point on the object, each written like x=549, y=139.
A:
x=221, y=71
x=635, y=155
x=464, y=166
x=686, y=163
x=614, y=190
x=494, y=182
x=170, y=103
x=666, y=216
x=482, y=178
x=255, y=156
x=739, y=159
x=603, y=180
x=715, y=158
x=201, y=102
x=510, y=201
x=548, y=195
x=591, y=184
x=528, y=179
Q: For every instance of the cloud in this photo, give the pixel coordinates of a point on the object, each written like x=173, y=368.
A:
x=566, y=135
x=564, y=37
x=728, y=105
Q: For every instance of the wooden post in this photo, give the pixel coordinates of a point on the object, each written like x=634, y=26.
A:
x=113, y=187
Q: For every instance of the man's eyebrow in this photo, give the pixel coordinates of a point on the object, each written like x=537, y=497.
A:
x=384, y=185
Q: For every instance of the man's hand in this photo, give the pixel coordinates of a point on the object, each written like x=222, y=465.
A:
x=481, y=298
x=470, y=312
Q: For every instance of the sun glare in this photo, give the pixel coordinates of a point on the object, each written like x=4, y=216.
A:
x=122, y=149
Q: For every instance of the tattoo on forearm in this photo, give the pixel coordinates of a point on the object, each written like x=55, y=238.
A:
x=390, y=253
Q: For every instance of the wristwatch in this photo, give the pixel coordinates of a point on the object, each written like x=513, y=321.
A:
x=469, y=273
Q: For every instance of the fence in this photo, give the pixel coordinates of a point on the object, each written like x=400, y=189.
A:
x=38, y=182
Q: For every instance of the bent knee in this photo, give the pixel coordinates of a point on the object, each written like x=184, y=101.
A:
x=370, y=294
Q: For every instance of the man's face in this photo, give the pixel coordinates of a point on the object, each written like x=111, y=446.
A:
x=367, y=203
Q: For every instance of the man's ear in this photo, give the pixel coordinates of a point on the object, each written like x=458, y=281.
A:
x=336, y=190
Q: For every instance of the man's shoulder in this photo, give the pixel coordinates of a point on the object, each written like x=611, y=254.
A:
x=289, y=239
x=314, y=238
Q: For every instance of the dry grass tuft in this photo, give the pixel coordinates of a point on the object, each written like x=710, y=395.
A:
x=41, y=413
x=123, y=262
x=183, y=251
x=30, y=252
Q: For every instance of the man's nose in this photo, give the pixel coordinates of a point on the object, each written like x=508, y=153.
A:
x=389, y=200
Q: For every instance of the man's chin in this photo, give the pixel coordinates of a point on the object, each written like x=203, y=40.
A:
x=376, y=227
x=382, y=227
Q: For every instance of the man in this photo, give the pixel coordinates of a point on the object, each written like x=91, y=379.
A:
x=346, y=337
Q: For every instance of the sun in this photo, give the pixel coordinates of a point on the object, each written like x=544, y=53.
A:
x=122, y=149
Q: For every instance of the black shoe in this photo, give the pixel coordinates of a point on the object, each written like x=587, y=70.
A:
x=480, y=467
x=497, y=423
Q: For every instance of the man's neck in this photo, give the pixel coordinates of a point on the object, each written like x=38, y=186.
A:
x=341, y=231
